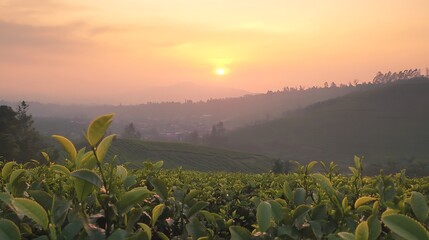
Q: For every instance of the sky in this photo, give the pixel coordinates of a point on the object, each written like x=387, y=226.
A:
x=103, y=52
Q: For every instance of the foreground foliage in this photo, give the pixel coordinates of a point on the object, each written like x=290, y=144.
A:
x=91, y=197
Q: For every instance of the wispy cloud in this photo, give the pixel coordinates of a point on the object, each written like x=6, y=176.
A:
x=28, y=8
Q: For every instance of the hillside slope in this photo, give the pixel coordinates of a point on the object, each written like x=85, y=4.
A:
x=185, y=117
x=383, y=124
x=188, y=156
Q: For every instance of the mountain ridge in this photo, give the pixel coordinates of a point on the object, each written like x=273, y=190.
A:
x=389, y=122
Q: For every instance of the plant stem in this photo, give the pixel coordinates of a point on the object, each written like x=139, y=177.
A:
x=105, y=205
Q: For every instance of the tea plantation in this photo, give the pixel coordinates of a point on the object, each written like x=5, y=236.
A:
x=93, y=197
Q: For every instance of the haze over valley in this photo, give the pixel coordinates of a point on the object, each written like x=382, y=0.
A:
x=257, y=82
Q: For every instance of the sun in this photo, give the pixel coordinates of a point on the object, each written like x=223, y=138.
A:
x=220, y=71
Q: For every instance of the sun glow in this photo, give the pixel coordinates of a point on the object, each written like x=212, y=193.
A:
x=220, y=71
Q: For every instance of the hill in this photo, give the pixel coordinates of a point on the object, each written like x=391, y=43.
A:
x=388, y=125
x=188, y=156
x=173, y=120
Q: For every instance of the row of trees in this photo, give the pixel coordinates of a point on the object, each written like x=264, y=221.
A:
x=388, y=77
x=19, y=140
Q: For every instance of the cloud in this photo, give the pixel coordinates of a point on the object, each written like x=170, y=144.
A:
x=30, y=36
x=28, y=8
x=32, y=44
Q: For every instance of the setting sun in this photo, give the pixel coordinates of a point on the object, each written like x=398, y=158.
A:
x=220, y=71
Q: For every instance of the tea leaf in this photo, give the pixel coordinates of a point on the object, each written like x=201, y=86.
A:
x=239, y=233
x=97, y=128
x=263, y=216
x=32, y=210
x=156, y=212
x=8, y=230
x=88, y=176
x=103, y=147
x=67, y=145
x=419, y=206
x=405, y=226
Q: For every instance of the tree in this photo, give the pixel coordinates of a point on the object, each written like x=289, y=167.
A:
x=281, y=166
x=193, y=137
x=131, y=132
x=19, y=140
x=217, y=135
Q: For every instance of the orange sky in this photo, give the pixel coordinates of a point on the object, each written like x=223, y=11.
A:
x=85, y=51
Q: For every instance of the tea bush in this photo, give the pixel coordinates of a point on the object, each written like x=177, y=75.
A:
x=91, y=197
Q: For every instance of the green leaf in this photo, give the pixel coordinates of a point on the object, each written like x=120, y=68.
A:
x=374, y=226
x=346, y=235
x=42, y=197
x=198, y=206
x=46, y=156
x=130, y=181
x=195, y=229
x=362, y=231
x=310, y=166
x=132, y=197
x=287, y=191
x=419, y=206
x=15, y=175
x=7, y=168
x=300, y=212
x=122, y=173
x=118, y=234
x=32, y=210
x=8, y=230
x=364, y=200
x=146, y=229
x=263, y=216
x=6, y=198
x=104, y=146
x=209, y=217
x=87, y=161
x=82, y=189
x=405, y=226
x=97, y=128
x=158, y=165
x=162, y=236
x=160, y=188
x=67, y=145
x=60, y=169
x=319, y=212
x=358, y=162
x=191, y=195
x=316, y=227
x=133, y=216
x=239, y=233
x=43, y=237
x=88, y=176
x=299, y=195
x=71, y=230
x=156, y=212
x=324, y=183
x=354, y=171
x=80, y=155
x=276, y=210
x=60, y=210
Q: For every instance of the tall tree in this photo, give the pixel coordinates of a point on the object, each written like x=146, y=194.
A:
x=19, y=140
x=131, y=132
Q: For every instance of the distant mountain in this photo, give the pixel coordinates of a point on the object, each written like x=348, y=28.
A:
x=388, y=125
x=188, y=156
x=174, y=120
x=184, y=91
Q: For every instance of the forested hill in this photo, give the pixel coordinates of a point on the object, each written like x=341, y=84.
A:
x=388, y=125
x=189, y=116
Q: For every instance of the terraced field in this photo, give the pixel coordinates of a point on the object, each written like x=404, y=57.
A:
x=188, y=156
